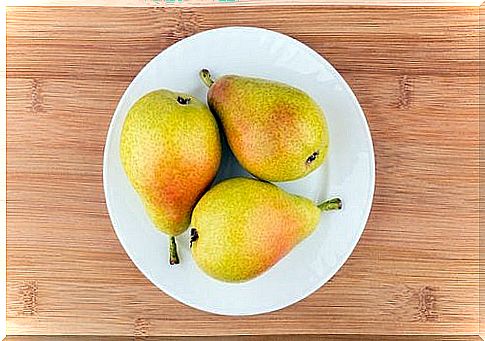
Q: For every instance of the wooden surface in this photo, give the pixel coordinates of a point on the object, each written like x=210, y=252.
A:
x=482, y=172
x=212, y=3
x=415, y=72
x=294, y=337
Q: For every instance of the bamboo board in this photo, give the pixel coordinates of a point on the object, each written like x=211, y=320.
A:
x=415, y=72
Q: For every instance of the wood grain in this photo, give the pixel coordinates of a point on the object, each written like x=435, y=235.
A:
x=213, y=3
x=482, y=172
x=415, y=269
x=294, y=337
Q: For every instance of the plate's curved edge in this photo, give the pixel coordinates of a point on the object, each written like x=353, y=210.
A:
x=371, y=191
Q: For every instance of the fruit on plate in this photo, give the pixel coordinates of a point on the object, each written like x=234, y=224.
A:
x=170, y=150
x=241, y=227
x=277, y=132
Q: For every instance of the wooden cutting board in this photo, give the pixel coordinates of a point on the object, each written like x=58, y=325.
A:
x=415, y=73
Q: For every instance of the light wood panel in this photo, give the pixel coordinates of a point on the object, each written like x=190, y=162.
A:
x=212, y=3
x=482, y=172
x=332, y=337
x=415, y=269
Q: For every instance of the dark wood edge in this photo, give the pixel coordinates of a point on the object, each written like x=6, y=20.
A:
x=338, y=337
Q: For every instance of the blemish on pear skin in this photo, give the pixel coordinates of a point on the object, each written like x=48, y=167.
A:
x=193, y=236
x=312, y=157
x=183, y=100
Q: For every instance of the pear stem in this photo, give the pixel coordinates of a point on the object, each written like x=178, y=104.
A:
x=174, y=257
x=205, y=75
x=331, y=204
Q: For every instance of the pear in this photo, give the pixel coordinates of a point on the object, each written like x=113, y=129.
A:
x=170, y=150
x=276, y=132
x=241, y=227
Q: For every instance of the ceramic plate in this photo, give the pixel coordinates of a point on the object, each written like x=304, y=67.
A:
x=347, y=173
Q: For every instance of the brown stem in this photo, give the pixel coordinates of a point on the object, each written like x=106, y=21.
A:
x=331, y=204
x=205, y=75
x=174, y=257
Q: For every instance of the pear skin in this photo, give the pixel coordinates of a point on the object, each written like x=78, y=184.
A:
x=242, y=227
x=170, y=150
x=277, y=132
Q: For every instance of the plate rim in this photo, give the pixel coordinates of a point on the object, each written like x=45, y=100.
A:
x=334, y=270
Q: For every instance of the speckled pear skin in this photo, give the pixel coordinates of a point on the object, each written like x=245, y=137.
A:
x=277, y=132
x=170, y=153
x=244, y=226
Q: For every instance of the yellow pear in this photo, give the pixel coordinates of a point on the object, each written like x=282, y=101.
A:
x=277, y=132
x=241, y=227
x=170, y=150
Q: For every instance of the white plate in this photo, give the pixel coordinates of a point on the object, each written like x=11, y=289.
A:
x=347, y=173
